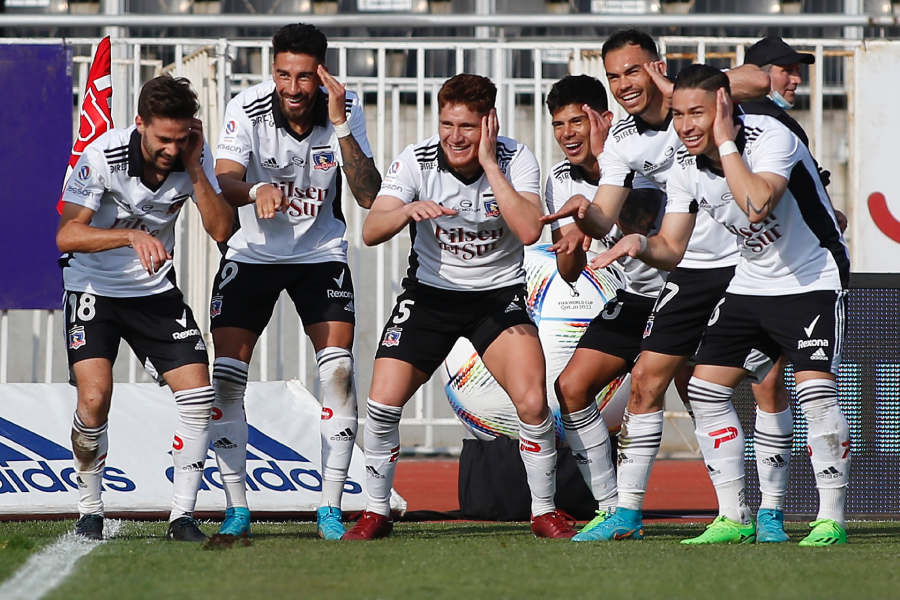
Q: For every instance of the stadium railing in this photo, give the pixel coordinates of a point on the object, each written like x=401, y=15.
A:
x=401, y=106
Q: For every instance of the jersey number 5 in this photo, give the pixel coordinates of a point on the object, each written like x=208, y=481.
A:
x=403, y=311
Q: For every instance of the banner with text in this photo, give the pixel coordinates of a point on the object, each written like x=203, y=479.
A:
x=283, y=453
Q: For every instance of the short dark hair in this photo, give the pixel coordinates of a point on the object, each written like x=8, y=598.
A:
x=703, y=77
x=630, y=37
x=298, y=38
x=578, y=90
x=477, y=93
x=641, y=209
x=168, y=97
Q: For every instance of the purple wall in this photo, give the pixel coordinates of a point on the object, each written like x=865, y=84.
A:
x=36, y=124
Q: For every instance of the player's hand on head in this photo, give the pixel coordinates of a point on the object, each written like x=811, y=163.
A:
x=424, y=210
x=657, y=71
x=571, y=242
x=575, y=207
x=487, y=147
x=600, y=126
x=269, y=200
x=630, y=245
x=150, y=251
x=337, y=96
x=192, y=152
x=724, y=129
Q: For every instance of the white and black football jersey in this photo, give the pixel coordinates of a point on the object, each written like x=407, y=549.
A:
x=473, y=249
x=636, y=147
x=798, y=247
x=306, y=167
x=108, y=180
x=568, y=180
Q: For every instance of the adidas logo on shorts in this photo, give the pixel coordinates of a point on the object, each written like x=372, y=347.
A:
x=344, y=436
x=513, y=306
x=819, y=354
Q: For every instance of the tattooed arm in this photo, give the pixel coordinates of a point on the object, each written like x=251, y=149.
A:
x=362, y=176
x=756, y=193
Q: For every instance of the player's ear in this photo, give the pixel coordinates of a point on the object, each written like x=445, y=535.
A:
x=608, y=117
x=139, y=121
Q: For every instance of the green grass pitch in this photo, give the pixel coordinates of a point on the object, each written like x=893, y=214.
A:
x=464, y=560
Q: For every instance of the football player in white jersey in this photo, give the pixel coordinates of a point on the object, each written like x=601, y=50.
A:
x=645, y=142
x=757, y=178
x=612, y=341
x=472, y=201
x=279, y=160
x=118, y=225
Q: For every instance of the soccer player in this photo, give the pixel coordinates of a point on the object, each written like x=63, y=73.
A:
x=472, y=201
x=645, y=142
x=755, y=177
x=612, y=341
x=118, y=223
x=774, y=56
x=278, y=160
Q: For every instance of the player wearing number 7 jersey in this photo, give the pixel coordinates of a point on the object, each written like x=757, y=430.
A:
x=471, y=200
x=118, y=223
x=756, y=178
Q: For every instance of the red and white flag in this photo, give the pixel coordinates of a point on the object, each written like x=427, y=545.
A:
x=96, y=110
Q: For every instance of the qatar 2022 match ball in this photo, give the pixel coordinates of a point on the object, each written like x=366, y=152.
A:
x=562, y=312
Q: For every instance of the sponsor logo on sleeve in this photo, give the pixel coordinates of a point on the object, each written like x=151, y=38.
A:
x=84, y=172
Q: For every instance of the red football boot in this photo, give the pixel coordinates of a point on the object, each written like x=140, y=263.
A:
x=551, y=525
x=370, y=526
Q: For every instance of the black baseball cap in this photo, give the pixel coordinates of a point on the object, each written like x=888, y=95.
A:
x=774, y=51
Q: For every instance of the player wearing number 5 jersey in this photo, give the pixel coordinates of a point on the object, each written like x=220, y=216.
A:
x=279, y=159
x=118, y=223
x=755, y=177
x=471, y=200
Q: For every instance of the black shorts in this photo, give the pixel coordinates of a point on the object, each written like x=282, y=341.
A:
x=160, y=329
x=244, y=294
x=426, y=322
x=683, y=308
x=808, y=328
x=619, y=327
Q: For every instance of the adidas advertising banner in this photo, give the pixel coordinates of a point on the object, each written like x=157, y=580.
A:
x=875, y=213
x=283, y=453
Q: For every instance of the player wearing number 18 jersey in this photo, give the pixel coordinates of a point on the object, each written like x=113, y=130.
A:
x=279, y=160
x=118, y=223
x=471, y=200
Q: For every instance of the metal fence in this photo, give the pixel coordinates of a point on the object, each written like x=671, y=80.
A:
x=398, y=81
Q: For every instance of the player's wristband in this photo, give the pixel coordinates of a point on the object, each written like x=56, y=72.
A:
x=643, y=239
x=727, y=148
x=341, y=130
x=254, y=190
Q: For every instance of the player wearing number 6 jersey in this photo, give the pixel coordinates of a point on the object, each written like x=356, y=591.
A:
x=118, y=223
x=471, y=200
x=755, y=177
x=279, y=159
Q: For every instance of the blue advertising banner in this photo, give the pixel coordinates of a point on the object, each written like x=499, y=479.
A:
x=36, y=122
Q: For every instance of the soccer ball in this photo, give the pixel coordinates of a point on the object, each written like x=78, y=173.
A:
x=561, y=312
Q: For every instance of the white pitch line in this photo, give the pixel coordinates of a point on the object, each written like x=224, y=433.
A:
x=49, y=567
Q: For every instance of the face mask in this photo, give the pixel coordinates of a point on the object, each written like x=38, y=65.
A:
x=780, y=101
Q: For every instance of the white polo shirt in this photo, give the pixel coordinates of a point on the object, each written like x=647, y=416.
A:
x=258, y=136
x=473, y=249
x=108, y=180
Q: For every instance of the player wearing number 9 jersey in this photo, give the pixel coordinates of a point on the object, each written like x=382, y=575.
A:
x=471, y=200
x=118, y=224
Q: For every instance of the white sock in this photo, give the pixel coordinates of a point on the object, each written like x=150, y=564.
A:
x=537, y=447
x=89, y=446
x=639, y=441
x=228, y=428
x=589, y=439
x=339, y=420
x=381, y=440
x=772, y=440
x=828, y=439
x=721, y=441
x=190, y=446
